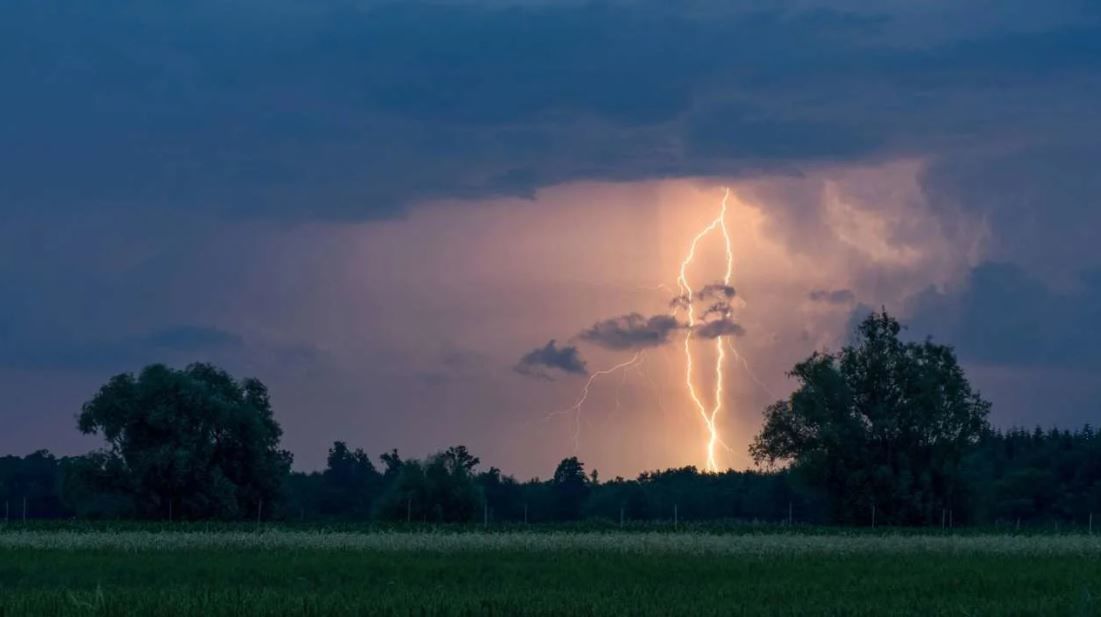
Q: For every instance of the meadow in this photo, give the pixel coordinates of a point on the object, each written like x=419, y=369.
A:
x=136, y=570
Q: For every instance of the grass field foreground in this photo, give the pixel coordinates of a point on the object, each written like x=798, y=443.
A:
x=286, y=572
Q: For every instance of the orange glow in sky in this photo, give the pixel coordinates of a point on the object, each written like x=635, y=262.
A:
x=468, y=287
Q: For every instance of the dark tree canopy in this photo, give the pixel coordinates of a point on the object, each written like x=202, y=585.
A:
x=571, y=487
x=350, y=482
x=1019, y=477
x=442, y=488
x=882, y=424
x=194, y=441
x=33, y=478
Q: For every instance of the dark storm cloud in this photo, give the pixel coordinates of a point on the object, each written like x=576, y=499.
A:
x=541, y=361
x=132, y=130
x=832, y=296
x=718, y=327
x=631, y=331
x=1005, y=316
x=354, y=110
x=1042, y=201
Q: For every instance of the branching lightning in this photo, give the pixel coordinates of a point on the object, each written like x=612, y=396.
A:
x=575, y=409
x=687, y=299
x=709, y=416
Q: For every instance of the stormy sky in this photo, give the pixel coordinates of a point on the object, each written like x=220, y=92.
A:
x=387, y=211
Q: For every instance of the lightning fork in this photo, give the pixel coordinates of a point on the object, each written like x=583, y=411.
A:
x=575, y=409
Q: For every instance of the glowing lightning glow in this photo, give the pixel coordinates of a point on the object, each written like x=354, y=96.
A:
x=709, y=417
x=575, y=409
x=709, y=414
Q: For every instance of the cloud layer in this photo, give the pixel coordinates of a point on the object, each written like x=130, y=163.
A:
x=357, y=109
x=1002, y=315
x=542, y=361
x=631, y=331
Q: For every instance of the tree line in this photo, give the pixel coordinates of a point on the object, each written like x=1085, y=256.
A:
x=883, y=432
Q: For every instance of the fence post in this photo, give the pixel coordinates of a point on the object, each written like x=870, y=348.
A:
x=951, y=525
x=676, y=516
x=873, y=515
x=7, y=507
x=24, y=509
x=485, y=514
x=170, y=510
x=621, y=516
x=943, y=517
x=259, y=511
x=791, y=519
x=525, y=513
x=1091, y=523
x=408, y=509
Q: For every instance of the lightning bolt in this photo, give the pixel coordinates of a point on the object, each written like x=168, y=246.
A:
x=708, y=413
x=709, y=416
x=575, y=409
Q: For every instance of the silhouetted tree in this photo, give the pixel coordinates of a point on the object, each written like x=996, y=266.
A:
x=570, y=486
x=392, y=461
x=441, y=488
x=1035, y=476
x=98, y=485
x=350, y=483
x=452, y=493
x=35, y=478
x=883, y=424
x=502, y=494
x=193, y=440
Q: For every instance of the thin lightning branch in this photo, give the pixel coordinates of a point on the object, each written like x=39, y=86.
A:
x=659, y=287
x=575, y=409
x=659, y=398
x=749, y=371
x=619, y=388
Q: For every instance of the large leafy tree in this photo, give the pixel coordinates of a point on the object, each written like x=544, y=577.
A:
x=883, y=424
x=195, y=442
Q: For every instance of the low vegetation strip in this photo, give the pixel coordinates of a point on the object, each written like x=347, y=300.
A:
x=614, y=542
x=488, y=577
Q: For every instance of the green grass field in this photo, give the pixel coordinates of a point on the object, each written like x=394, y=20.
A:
x=287, y=572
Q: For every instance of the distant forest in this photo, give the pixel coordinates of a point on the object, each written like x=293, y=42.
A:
x=884, y=432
